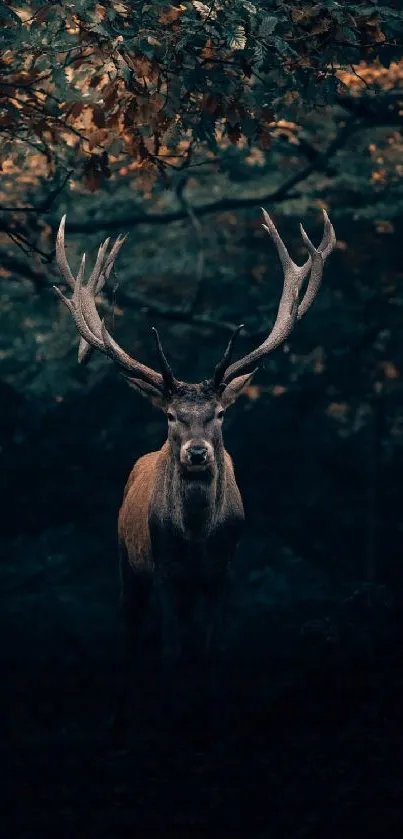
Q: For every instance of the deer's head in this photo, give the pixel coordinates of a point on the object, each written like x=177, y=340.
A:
x=194, y=411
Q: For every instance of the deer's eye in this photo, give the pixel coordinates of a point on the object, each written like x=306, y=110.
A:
x=220, y=414
x=171, y=416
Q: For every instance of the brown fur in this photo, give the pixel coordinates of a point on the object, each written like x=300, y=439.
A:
x=133, y=521
x=179, y=533
x=180, y=520
x=133, y=528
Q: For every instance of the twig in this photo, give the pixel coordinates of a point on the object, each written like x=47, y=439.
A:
x=383, y=109
x=172, y=313
x=180, y=191
x=45, y=204
x=23, y=243
x=20, y=267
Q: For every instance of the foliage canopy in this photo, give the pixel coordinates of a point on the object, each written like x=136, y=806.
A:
x=97, y=87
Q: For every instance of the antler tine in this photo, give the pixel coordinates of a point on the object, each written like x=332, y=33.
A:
x=325, y=248
x=166, y=371
x=329, y=237
x=85, y=348
x=61, y=255
x=74, y=307
x=128, y=365
x=223, y=364
x=100, y=277
x=82, y=307
x=110, y=260
x=97, y=270
x=290, y=310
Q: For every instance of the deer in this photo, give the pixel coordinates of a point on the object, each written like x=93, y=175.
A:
x=182, y=514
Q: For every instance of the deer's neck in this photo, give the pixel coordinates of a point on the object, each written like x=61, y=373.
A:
x=195, y=503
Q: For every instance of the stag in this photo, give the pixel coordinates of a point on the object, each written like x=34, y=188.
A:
x=182, y=512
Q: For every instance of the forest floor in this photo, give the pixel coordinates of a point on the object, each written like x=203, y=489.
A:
x=304, y=737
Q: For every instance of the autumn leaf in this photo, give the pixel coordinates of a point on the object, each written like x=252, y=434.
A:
x=208, y=50
x=322, y=26
x=98, y=116
x=389, y=369
x=384, y=226
x=301, y=15
x=110, y=92
x=252, y=392
x=338, y=410
x=264, y=138
x=97, y=138
x=171, y=13
x=92, y=180
x=75, y=109
x=234, y=132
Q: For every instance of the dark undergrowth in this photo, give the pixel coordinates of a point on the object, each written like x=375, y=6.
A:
x=304, y=735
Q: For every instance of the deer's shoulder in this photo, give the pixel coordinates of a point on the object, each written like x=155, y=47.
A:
x=145, y=471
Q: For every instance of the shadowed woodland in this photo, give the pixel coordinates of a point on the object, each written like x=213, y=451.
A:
x=175, y=123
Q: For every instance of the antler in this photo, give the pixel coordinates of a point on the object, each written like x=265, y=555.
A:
x=290, y=309
x=92, y=329
x=223, y=364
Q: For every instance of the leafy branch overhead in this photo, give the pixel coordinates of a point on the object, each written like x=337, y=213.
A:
x=153, y=98
x=98, y=81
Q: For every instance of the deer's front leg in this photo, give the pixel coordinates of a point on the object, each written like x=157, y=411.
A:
x=167, y=557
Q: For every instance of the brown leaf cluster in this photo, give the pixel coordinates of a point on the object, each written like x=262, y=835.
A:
x=363, y=76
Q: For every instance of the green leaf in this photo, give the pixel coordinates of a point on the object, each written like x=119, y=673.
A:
x=284, y=48
x=267, y=26
x=238, y=40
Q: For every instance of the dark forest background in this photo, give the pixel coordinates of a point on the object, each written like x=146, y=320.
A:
x=176, y=123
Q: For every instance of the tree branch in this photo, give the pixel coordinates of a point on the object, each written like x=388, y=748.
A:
x=47, y=202
x=21, y=241
x=173, y=313
x=279, y=194
x=199, y=236
x=382, y=109
x=223, y=205
x=20, y=267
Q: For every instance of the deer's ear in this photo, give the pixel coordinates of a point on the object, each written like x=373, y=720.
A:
x=148, y=391
x=235, y=388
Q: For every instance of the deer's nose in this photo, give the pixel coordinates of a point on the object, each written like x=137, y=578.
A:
x=197, y=455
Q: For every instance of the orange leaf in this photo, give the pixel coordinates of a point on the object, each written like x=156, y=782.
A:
x=384, y=226
x=97, y=137
x=252, y=392
x=76, y=109
x=208, y=50
x=109, y=93
x=264, y=138
x=233, y=132
x=170, y=13
x=390, y=370
x=338, y=410
x=42, y=13
x=98, y=116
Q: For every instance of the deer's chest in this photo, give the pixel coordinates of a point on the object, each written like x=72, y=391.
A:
x=193, y=557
